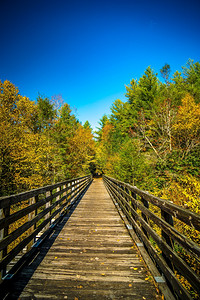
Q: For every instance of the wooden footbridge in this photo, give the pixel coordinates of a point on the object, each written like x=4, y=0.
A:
x=93, y=239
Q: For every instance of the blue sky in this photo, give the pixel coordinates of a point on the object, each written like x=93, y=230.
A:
x=87, y=51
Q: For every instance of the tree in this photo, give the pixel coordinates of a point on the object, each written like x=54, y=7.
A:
x=132, y=91
x=187, y=125
x=177, y=88
x=148, y=85
x=87, y=125
x=130, y=166
x=102, y=123
x=165, y=73
x=82, y=150
x=9, y=132
x=120, y=116
x=192, y=78
x=142, y=94
x=46, y=113
x=61, y=134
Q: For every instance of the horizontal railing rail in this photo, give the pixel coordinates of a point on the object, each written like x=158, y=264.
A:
x=154, y=221
x=26, y=218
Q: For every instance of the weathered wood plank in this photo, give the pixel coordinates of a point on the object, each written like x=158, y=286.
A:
x=93, y=257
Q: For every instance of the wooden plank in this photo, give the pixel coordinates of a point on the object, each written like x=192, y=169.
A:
x=93, y=257
x=22, y=244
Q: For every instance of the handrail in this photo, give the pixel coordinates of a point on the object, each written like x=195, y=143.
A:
x=27, y=216
x=135, y=205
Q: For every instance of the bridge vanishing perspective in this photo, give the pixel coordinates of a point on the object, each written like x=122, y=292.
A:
x=71, y=241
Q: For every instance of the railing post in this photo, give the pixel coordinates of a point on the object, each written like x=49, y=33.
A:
x=48, y=193
x=118, y=189
x=127, y=198
x=36, y=211
x=146, y=204
x=78, y=185
x=66, y=186
x=169, y=219
x=74, y=182
x=4, y=213
x=69, y=191
x=59, y=189
x=31, y=215
x=58, y=198
x=1, y=238
x=133, y=204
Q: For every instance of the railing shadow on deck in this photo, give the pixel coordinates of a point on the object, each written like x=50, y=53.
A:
x=152, y=219
x=43, y=209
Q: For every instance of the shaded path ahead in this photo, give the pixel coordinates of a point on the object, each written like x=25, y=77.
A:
x=93, y=257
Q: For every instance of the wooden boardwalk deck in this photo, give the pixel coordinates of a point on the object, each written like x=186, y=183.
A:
x=93, y=257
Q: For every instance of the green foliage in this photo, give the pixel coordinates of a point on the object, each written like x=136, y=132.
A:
x=46, y=113
x=192, y=78
x=131, y=165
x=141, y=94
x=163, y=120
x=165, y=72
x=87, y=125
x=102, y=123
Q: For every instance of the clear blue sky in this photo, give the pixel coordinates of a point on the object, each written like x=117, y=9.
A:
x=87, y=51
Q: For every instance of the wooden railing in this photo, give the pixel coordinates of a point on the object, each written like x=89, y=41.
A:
x=27, y=218
x=154, y=221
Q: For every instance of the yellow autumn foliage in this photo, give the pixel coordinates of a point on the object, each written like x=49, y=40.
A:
x=186, y=128
x=82, y=149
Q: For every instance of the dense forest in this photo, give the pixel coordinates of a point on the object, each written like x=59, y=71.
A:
x=152, y=140
x=41, y=142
